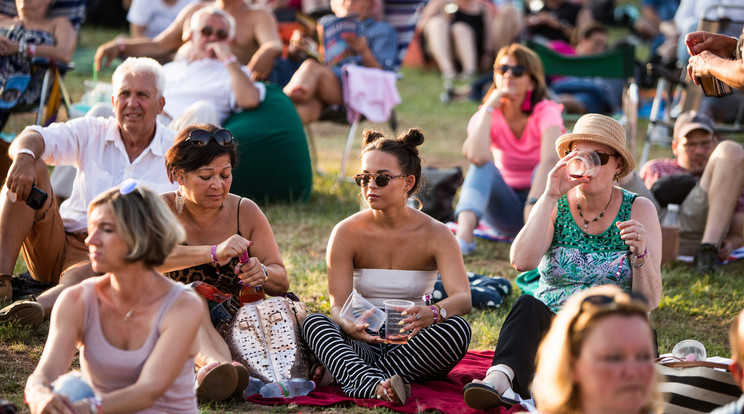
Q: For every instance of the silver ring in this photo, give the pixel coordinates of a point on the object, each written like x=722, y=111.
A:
x=638, y=236
x=418, y=316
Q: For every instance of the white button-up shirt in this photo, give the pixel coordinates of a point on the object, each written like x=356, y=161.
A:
x=94, y=146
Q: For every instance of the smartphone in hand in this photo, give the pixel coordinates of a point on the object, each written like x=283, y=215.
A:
x=36, y=198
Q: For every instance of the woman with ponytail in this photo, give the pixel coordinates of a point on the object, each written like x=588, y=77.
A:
x=391, y=251
x=511, y=147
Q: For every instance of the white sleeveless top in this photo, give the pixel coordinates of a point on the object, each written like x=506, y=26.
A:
x=378, y=285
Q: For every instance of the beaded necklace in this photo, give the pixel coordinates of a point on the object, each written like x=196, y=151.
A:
x=586, y=222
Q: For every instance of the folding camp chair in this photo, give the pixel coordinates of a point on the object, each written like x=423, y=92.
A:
x=402, y=15
x=53, y=90
x=675, y=94
x=615, y=63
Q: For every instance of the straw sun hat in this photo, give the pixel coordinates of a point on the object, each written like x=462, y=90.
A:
x=601, y=129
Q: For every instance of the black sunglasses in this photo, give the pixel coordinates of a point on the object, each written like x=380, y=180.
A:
x=603, y=157
x=200, y=138
x=207, y=31
x=381, y=180
x=516, y=71
x=606, y=302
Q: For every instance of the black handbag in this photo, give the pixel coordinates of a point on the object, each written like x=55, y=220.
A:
x=438, y=189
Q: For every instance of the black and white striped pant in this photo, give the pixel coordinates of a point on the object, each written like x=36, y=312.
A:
x=360, y=367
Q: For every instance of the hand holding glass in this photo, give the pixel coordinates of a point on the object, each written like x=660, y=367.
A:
x=583, y=164
x=361, y=312
x=394, y=333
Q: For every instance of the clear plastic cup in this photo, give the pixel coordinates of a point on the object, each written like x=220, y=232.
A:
x=689, y=350
x=362, y=311
x=583, y=164
x=393, y=309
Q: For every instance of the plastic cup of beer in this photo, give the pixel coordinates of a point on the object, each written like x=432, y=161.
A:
x=361, y=311
x=393, y=329
x=690, y=350
x=583, y=164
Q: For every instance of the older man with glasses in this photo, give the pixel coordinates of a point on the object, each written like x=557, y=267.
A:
x=706, y=178
x=106, y=151
x=208, y=82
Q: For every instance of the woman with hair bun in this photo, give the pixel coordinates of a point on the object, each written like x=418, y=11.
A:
x=391, y=251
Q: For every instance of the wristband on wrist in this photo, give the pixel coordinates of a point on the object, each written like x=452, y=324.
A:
x=231, y=59
x=642, y=256
x=215, y=262
x=120, y=44
x=94, y=403
x=31, y=50
x=436, y=313
x=637, y=265
x=27, y=152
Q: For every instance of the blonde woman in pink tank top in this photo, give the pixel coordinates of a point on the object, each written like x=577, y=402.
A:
x=135, y=329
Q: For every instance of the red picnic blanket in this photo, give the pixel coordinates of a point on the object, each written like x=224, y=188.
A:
x=444, y=396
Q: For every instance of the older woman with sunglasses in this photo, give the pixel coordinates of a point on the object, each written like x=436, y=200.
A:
x=220, y=227
x=598, y=357
x=582, y=232
x=510, y=145
x=391, y=251
x=135, y=329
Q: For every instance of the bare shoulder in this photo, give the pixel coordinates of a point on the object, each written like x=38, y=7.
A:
x=188, y=303
x=643, y=207
x=432, y=227
x=352, y=224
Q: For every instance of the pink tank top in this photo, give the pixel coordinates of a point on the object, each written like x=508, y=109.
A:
x=108, y=368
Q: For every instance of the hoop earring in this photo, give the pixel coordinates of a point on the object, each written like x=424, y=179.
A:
x=179, y=201
x=527, y=103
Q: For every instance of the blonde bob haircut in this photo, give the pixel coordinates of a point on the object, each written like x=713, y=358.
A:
x=553, y=389
x=143, y=221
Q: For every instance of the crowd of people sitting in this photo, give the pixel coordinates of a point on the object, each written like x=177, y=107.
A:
x=152, y=207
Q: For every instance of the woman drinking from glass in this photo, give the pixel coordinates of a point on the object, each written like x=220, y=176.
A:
x=582, y=232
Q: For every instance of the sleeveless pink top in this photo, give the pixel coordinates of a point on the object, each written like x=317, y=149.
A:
x=108, y=368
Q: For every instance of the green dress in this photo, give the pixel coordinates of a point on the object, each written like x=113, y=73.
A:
x=273, y=157
x=576, y=260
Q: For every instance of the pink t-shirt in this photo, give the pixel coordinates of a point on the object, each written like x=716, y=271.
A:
x=516, y=158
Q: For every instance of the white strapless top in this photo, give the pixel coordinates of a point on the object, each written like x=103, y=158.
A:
x=377, y=285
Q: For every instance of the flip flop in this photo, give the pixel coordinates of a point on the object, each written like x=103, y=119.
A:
x=401, y=389
x=218, y=384
x=244, y=378
x=483, y=396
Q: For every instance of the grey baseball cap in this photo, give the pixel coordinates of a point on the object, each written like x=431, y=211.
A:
x=690, y=121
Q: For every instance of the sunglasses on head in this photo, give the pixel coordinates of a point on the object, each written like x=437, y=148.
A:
x=516, y=71
x=207, y=31
x=381, y=180
x=200, y=137
x=602, y=303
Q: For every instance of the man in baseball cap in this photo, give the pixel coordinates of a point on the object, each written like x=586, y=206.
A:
x=706, y=179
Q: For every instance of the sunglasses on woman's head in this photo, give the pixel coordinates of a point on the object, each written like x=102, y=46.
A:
x=606, y=302
x=516, y=71
x=381, y=180
x=207, y=31
x=200, y=137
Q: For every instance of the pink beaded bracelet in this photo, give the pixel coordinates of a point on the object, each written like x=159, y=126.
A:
x=645, y=252
x=214, y=258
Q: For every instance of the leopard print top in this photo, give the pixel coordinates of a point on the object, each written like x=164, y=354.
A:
x=226, y=281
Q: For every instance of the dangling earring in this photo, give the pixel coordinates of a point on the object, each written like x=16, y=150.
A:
x=616, y=177
x=527, y=103
x=179, y=201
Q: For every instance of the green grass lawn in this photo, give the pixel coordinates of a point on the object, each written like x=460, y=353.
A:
x=692, y=306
